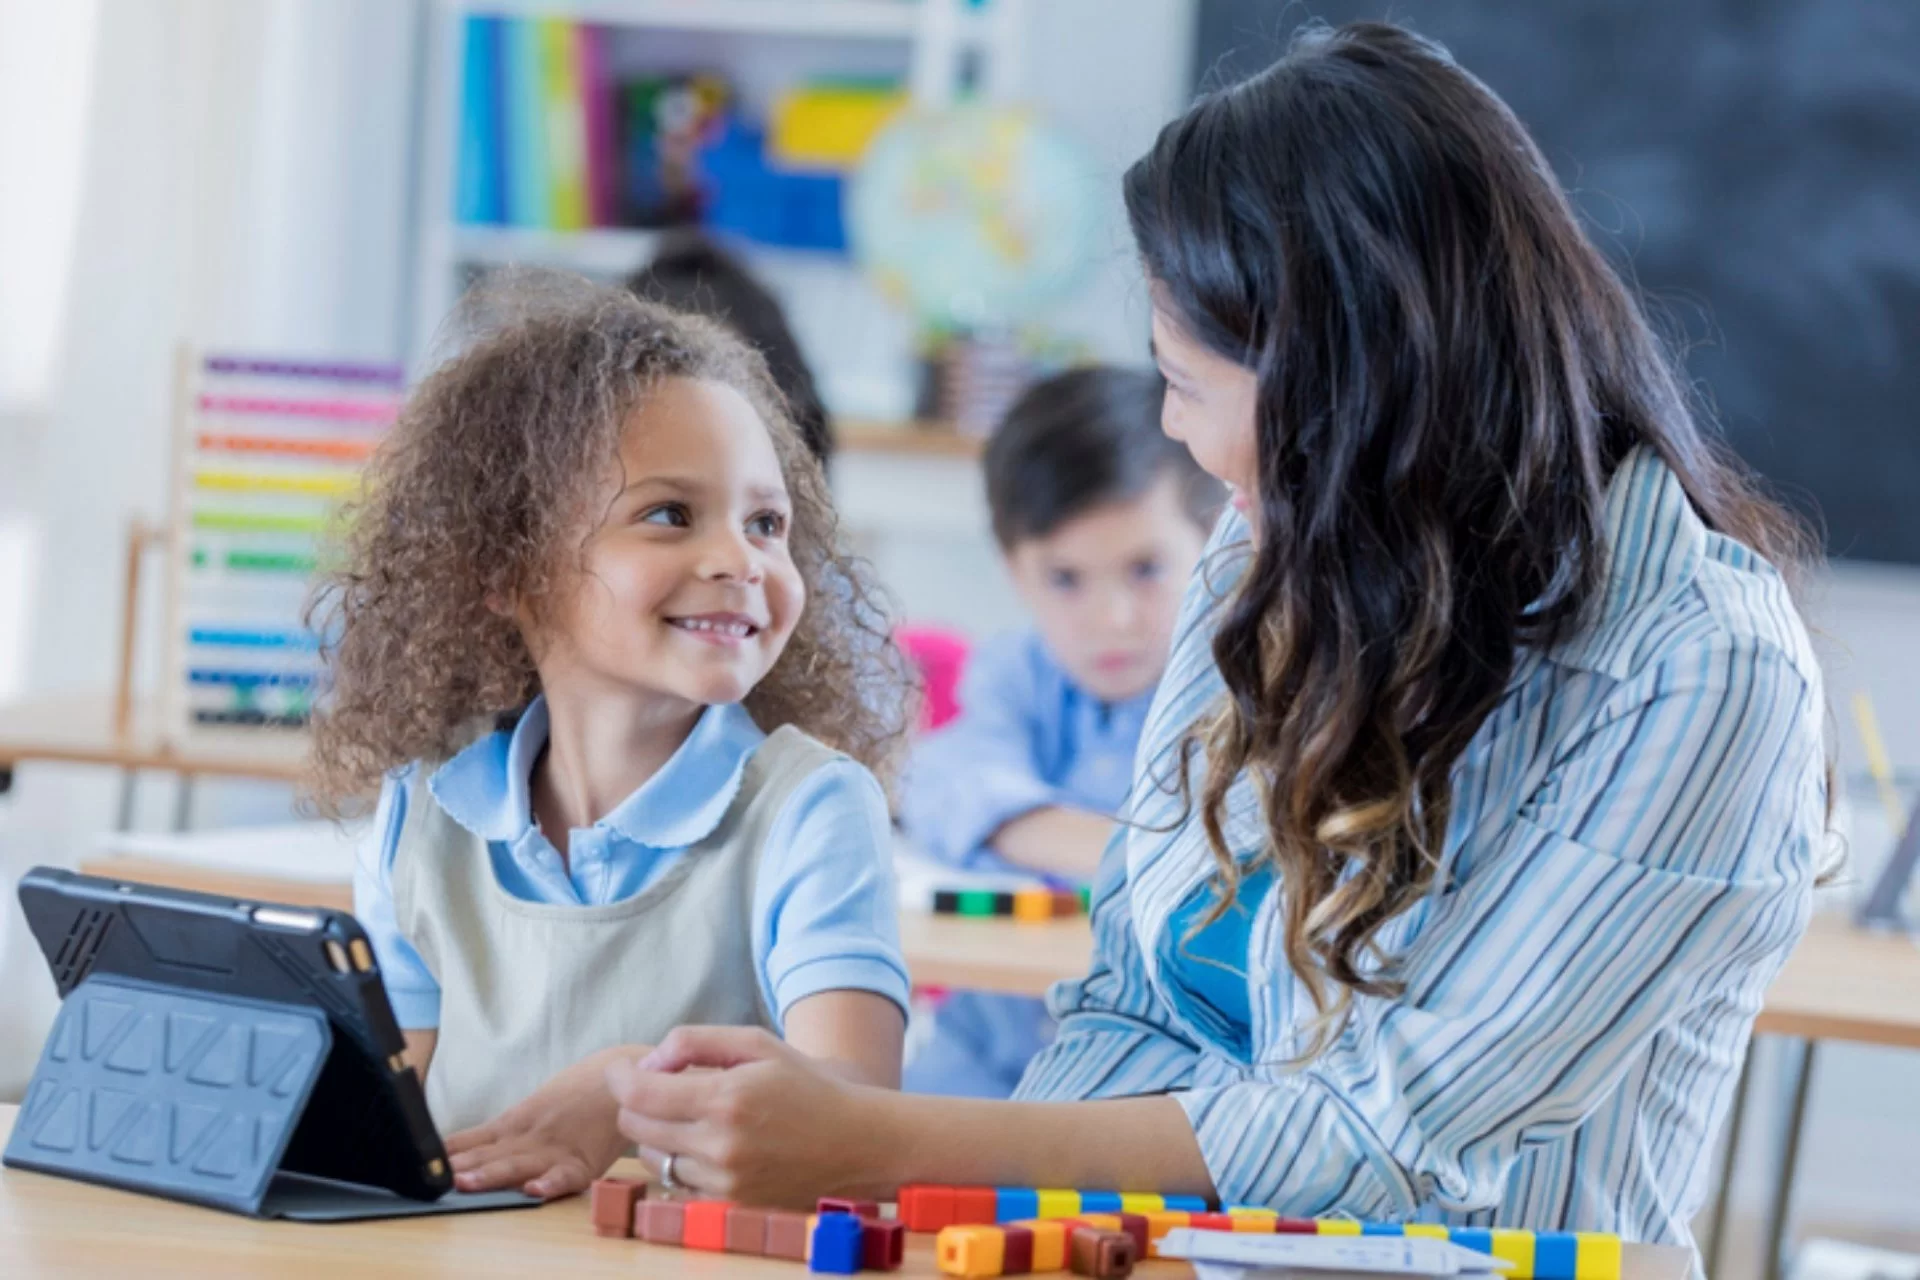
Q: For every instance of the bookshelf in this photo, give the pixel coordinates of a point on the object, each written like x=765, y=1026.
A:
x=860, y=347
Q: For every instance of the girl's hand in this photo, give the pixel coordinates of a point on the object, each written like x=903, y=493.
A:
x=554, y=1143
x=770, y=1126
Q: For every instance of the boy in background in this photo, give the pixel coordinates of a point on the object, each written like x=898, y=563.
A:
x=1101, y=519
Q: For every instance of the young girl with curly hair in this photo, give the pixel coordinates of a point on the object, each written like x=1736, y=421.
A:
x=624, y=698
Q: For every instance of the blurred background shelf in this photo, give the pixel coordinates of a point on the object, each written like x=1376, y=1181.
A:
x=859, y=19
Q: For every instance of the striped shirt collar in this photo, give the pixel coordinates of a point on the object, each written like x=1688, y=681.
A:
x=1655, y=543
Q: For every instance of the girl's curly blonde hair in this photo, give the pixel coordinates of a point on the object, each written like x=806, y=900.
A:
x=484, y=492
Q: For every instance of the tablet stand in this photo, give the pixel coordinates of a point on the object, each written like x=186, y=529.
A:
x=171, y=1092
x=195, y=1097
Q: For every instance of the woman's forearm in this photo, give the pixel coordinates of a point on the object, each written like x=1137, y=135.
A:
x=1130, y=1144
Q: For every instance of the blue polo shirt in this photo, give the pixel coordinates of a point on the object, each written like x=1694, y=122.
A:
x=823, y=905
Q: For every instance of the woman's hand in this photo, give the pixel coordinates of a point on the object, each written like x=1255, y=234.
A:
x=554, y=1143
x=770, y=1126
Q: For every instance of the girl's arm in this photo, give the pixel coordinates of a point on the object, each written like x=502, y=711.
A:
x=856, y=1034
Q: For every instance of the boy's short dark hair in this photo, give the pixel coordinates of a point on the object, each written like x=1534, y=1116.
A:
x=1082, y=439
x=692, y=273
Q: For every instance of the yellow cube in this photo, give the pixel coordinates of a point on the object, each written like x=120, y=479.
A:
x=1049, y=1243
x=970, y=1251
x=1101, y=1221
x=1033, y=905
x=1598, y=1256
x=1336, y=1227
x=1259, y=1224
x=1142, y=1202
x=1058, y=1204
x=1158, y=1224
x=1424, y=1231
x=1516, y=1247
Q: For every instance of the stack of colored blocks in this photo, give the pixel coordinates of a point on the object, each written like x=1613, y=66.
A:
x=984, y=1230
x=843, y=1238
x=1027, y=905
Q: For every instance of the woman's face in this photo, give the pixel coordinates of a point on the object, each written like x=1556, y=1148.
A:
x=1209, y=406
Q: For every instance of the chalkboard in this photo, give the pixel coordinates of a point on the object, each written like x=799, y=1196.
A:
x=1755, y=164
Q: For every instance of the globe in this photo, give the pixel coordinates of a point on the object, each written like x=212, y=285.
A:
x=973, y=217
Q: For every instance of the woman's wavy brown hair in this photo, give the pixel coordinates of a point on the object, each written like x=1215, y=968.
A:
x=1449, y=374
x=484, y=492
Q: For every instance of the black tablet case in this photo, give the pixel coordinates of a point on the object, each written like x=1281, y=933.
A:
x=204, y=1054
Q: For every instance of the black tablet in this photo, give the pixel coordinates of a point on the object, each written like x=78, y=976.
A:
x=365, y=1122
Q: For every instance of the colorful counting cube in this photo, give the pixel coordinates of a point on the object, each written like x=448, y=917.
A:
x=787, y=1236
x=1158, y=1224
x=1016, y=1249
x=613, y=1203
x=883, y=1243
x=836, y=1247
x=1142, y=1202
x=1031, y=906
x=840, y=1204
x=926, y=1208
x=975, y=1206
x=705, y=1225
x=1049, y=1243
x=970, y=1251
x=746, y=1230
x=1056, y=1203
x=1101, y=1253
x=662, y=1222
x=1099, y=1202
x=1015, y=1204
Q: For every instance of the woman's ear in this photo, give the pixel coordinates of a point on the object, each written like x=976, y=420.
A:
x=500, y=607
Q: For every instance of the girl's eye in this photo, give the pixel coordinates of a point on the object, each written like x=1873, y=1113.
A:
x=768, y=524
x=1063, y=579
x=1146, y=570
x=671, y=514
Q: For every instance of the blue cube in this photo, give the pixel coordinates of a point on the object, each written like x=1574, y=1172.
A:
x=1099, y=1202
x=1187, y=1204
x=1015, y=1204
x=1556, y=1256
x=1382, y=1229
x=836, y=1245
x=1471, y=1238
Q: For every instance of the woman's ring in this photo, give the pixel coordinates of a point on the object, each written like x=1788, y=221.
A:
x=667, y=1181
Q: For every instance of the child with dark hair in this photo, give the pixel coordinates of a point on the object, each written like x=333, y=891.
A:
x=1101, y=519
x=692, y=273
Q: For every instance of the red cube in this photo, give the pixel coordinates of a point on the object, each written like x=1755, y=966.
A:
x=1212, y=1222
x=926, y=1208
x=787, y=1236
x=613, y=1200
x=841, y=1204
x=706, y=1225
x=883, y=1243
x=1016, y=1258
x=974, y=1207
x=661, y=1222
x=1295, y=1227
x=1135, y=1226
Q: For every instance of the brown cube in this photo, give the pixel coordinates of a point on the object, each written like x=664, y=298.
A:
x=1016, y=1256
x=747, y=1230
x=661, y=1221
x=841, y=1204
x=787, y=1236
x=613, y=1200
x=1101, y=1253
x=883, y=1243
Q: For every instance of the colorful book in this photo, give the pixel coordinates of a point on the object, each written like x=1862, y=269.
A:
x=480, y=187
x=528, y=202
x=565, y=124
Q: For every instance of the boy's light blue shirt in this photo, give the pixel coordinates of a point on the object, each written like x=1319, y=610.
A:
x=824, y=902
x=1026, y=738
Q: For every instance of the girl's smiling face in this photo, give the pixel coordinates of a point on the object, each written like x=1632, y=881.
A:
x=1209, y=407
x=686, y=587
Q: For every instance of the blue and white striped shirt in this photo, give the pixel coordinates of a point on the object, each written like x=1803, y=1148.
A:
x=1630, y=858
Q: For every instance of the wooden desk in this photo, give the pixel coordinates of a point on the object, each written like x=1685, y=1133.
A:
x=52, y=1227
x=1845, y=983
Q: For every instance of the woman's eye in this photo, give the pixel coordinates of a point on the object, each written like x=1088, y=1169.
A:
x=1063, y=579
x=1146, y=570
x=768, y=524
x=671, y=514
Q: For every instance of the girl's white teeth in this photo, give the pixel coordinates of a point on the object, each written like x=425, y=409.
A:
x=739, y=630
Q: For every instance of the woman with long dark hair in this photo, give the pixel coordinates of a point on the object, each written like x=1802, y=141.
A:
x=1482, y=797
